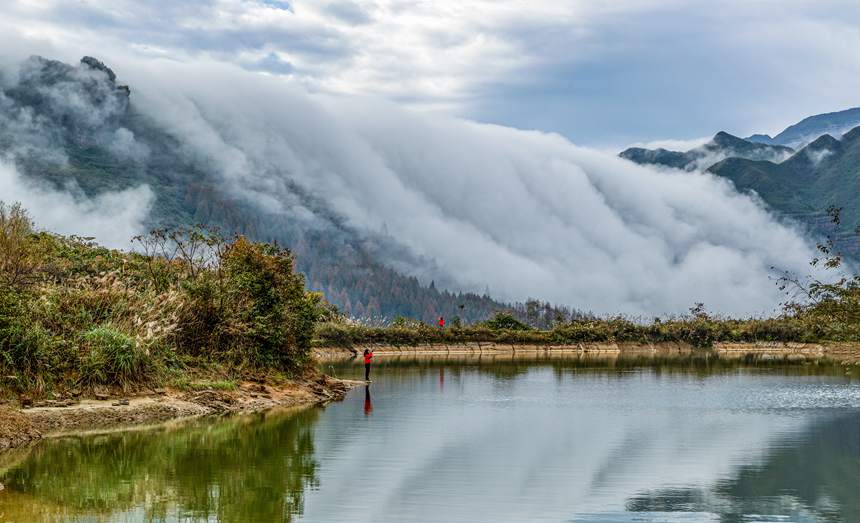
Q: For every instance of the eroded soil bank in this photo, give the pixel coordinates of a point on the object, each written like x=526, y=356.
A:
x=20, y=426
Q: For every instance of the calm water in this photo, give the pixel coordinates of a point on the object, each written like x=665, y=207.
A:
x=443, y=440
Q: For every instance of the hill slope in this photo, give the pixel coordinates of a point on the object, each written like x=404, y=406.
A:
x=825, y=173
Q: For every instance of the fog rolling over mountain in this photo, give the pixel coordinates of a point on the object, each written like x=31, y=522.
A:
x=805, y=131
x=722, y=146
x=371, y=196
x=802, y=184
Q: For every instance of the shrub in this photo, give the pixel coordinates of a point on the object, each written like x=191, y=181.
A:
x=113, y=358
x=506, y=321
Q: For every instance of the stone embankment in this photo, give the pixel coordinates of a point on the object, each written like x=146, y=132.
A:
x=847, y=353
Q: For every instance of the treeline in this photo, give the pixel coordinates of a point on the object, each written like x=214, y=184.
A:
x=698, y=331
x=75, y=314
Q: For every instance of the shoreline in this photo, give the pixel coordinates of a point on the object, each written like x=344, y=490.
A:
x=842, y=352
x=24, y=426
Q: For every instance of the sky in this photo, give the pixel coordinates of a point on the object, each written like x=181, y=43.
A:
x=602, y=74
x=482, y=136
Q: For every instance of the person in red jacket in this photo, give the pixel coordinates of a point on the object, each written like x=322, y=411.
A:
x=441, y=322
x=368, y=355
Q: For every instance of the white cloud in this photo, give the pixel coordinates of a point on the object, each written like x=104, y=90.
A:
x=112, y=217
x=602, y=73
x=525, y=213
x=673, y=144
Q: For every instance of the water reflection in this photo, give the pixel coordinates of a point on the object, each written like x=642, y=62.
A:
x=486, y=439
x=368, y=404
x=243, y=469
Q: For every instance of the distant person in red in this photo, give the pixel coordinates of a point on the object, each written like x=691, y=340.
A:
x=368, y=355
x=441, y=322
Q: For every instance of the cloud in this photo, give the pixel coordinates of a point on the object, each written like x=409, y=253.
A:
x=112, y=217
x=673, y=144
x=523, y=213
x=601, y=73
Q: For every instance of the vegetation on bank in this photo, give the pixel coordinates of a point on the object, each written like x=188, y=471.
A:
x=701, y=332
x=816, y=311
x=74, y=314
x=189, y=308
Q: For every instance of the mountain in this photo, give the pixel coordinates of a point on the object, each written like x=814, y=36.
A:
x=74, y=127
x=722, y=146
x=808, y=129
x=824, y=174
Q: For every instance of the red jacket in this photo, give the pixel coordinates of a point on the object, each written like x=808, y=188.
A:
x=367, y=358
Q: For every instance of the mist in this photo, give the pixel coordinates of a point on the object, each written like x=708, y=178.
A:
x=113, y=217
x=521, y=213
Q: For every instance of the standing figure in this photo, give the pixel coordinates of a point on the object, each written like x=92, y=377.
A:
x=441, y=322
x=368, y=355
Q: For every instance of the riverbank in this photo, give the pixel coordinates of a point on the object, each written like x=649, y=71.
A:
x=20, y=425
x=847, y=353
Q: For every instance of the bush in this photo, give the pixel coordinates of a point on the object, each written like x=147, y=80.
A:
x=114, y=358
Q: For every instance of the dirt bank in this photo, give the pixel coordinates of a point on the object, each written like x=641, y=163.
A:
x=20, y=426
x=848, y=353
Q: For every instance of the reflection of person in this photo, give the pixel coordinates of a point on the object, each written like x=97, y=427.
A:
x=368, y=405
x=368, y=355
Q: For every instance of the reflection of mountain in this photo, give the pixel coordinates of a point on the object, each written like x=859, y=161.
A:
x=506, y=443
x=814, y=473
x=232, y=470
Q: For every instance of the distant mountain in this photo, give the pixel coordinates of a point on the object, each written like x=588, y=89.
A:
x=73, y=125
x=808, y=129
x=825, y=173
x=722, y=146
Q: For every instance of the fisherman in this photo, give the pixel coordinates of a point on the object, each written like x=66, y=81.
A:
x=368, y=355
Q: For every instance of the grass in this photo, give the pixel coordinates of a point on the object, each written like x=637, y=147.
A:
x=75, y=315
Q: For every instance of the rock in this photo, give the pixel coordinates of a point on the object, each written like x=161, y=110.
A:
x=160, y=391
x=26, y=402
x=101, y=396
x=123, y=401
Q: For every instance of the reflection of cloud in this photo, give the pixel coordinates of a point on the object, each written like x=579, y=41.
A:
x=545, y=446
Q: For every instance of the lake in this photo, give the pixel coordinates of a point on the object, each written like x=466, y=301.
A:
x=469, y=439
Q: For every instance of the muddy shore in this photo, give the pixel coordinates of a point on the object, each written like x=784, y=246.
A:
x=21, y=426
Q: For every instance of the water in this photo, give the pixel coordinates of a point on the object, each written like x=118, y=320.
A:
x=468, y=440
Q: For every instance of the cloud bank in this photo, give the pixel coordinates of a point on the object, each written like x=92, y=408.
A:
x=601, y=73
x=522, y=213
x=114, y=217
